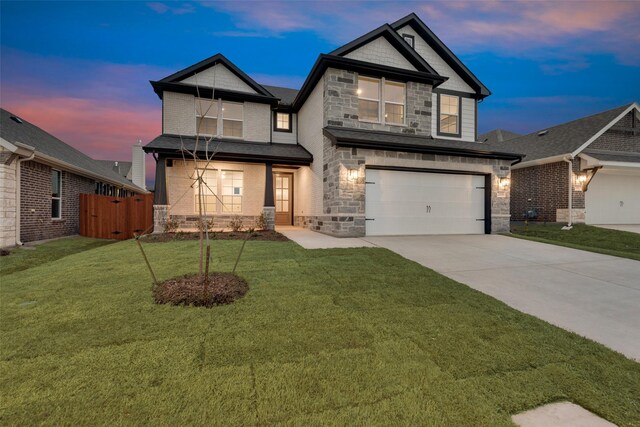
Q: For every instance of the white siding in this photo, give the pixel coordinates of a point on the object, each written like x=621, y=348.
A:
x=218, y=76
x=287, y=137
x=178, y=113
x=308, y=192
x=468, y=119
x=455, y=82
x=181, y=195
x=380, y=51
x=256, y=125
x=7, y=202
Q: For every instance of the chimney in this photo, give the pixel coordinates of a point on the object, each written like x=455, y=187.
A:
x=138, y=166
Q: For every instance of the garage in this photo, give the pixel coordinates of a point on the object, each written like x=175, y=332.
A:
x=401, y=202
x=613, y=197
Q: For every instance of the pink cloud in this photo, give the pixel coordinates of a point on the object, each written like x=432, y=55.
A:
x=176, y=10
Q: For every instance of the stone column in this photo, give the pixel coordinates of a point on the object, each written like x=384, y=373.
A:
x=160, y=216
x=269, y=209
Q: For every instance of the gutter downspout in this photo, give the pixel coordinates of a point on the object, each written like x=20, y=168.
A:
x=569, y=159
x=18, y=162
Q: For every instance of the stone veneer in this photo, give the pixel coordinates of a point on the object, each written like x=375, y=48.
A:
x=7, y=199
x=344, y=201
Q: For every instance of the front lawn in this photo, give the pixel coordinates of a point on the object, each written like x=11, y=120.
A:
x=586, y=237
x=22, y=258
x=323, y=337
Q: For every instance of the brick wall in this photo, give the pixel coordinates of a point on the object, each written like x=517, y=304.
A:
x=35, y=202
x=546, y=186
x=616, y=139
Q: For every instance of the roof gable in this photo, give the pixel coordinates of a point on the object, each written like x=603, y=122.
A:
x=208, y=70
x=443, y=52
x=218, y=76
x=381, y=38
x=566, y=139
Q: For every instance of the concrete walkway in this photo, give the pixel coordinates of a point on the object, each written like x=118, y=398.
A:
x=560, y=414
x=312, y=240
x=597, y=296
x=632, y=228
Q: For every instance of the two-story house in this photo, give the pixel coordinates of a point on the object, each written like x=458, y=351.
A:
x=379, y=140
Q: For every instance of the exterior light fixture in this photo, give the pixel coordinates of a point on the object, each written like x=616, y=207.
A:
x=352, y=174
x=504, y=182
x=580, y=179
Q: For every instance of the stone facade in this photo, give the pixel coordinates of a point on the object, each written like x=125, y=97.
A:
x=7, y=199
x=341, y=105
x=219, y=222
x=344, y=199
x=35, y=202
x=545, y=188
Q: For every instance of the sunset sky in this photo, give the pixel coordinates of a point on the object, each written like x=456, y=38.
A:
x=81, y=71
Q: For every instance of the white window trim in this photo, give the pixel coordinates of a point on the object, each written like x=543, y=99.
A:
x=220, y=119
x=218, y=192
x=381, y=102
x=59, y=197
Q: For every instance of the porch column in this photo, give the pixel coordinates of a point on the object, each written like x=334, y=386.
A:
x=160, y=206
x=269, y=209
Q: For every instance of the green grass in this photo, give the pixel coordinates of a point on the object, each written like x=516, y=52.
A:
x=324, y=337
x=586, y=237
x=22, y=259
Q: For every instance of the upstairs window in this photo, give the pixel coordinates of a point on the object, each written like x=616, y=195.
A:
x=392, y=110
x=232, y=117
x=369, y=99
x=282, y=122
x=56, y=194
x=206, y=116
x=449, y=121
x=208, y=113
x=394, y=98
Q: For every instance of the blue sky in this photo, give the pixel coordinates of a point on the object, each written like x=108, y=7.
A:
x=81, y=69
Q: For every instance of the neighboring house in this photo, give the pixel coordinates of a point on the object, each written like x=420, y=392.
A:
x=133, y=171
x=497, y=135
x=379, y=140
x=596, y=157
x=41, y=180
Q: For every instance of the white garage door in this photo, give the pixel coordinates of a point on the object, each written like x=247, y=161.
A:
x=404, y=203
x=613, y=199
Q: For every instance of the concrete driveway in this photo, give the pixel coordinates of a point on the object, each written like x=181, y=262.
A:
x=597, y=296
x=631, y=228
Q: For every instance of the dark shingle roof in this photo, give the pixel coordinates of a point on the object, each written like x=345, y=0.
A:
x=285, y=94
x=122, y=168
x=383, y=140
x=47, y=144
x=561, y=139
x=231, y=149
x=497, y=135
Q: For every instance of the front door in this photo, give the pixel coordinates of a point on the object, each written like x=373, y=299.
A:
x=283, y=198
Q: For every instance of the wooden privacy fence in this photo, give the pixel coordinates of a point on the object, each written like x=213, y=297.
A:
x=108, y=217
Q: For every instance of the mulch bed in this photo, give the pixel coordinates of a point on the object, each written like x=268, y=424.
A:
x=4, y=252
x=222, y=288
x=266, y=235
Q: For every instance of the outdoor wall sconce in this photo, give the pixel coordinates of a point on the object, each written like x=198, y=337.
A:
x=352, y=174
x=580, y=180
x=504, y=182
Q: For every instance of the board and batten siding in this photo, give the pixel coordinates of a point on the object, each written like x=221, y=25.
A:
x=380, y=51
x=218, y=76
x=468, y=120
x=455, y=82
x=287, y=137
